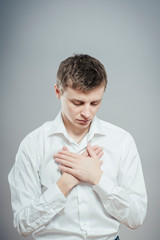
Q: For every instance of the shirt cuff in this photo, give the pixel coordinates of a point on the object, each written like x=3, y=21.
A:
x=105, y=186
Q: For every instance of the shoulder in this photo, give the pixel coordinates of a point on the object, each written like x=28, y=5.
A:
x=37, y=136
x=115, y=132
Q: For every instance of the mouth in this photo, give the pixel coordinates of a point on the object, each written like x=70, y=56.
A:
x=83, y=122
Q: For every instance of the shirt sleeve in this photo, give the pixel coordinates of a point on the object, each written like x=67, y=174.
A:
x=31, y=209
x=125, y=198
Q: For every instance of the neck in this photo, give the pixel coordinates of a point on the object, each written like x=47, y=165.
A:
x=75, y=133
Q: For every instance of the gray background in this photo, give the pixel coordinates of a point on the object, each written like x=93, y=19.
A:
x=124, y=35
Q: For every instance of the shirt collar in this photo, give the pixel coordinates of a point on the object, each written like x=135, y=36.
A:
x=96, y=128
x=57, y=127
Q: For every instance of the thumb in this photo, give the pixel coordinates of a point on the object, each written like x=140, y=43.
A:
x=85, y=153
x=90, y=151
x=64, y=148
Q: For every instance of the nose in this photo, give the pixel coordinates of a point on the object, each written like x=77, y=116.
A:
x=86, y=113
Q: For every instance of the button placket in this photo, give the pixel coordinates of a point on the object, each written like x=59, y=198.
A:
x=82, y=206
x=82, y=209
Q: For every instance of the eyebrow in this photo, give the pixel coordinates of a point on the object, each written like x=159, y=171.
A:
x=78, y=100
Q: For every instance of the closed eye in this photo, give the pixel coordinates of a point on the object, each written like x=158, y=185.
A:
x=95, y=103
x=77, y=103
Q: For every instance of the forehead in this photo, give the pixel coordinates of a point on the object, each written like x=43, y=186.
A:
x=93, y=95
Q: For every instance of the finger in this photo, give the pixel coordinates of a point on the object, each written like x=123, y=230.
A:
x=64, y=157
x=100, y=162
x=67, y=170
x=90, y=151
x=67, y=153
x=98, y=150
x=95, y=147
x=63, y=148
x=64, y=162
x=100, y=155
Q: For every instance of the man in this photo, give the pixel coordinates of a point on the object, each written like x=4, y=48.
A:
x=63, y=185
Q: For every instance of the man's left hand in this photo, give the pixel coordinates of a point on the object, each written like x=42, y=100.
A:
x=85, y=168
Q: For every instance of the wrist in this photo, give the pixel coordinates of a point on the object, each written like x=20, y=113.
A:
x=65, y=183
x=97, y=177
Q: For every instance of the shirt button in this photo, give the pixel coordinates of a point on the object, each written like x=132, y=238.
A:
x=81, y=201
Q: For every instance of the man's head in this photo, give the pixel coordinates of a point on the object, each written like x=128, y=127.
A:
x=81, y=81
x=81, y=72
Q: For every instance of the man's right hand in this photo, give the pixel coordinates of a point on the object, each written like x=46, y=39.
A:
x=66, y=182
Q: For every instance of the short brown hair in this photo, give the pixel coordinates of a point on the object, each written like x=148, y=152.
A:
x=81, y=72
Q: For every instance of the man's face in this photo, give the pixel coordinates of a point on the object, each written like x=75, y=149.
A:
x=79, y=108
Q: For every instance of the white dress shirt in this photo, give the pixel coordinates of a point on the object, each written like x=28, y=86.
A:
x=89, y=211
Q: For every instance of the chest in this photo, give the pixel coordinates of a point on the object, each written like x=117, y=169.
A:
x=49, y=172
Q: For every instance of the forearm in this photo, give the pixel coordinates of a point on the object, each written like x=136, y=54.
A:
x=128, y=207
x=66, y=182
x=122, y=190
x=30, y=215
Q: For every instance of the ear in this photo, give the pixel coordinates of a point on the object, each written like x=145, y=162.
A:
x=57, y=92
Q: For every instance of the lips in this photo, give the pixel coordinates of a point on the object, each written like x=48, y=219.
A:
x=83, y=121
